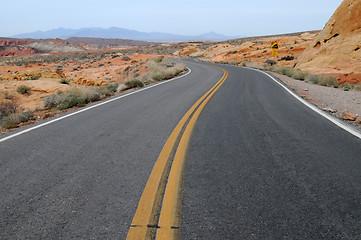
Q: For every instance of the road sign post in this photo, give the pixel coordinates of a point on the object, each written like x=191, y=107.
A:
x=275, y=46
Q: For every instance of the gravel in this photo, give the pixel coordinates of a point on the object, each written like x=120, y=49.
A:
x=326, y=97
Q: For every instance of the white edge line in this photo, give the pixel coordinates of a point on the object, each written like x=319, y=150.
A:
x=91, y=107
x=313, y=107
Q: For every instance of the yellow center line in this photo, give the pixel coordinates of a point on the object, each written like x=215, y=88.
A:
x=170, y=215
x=145, y=220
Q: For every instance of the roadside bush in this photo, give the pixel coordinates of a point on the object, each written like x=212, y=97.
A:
x=286, y=71
x=134, y=83
x=104, y=91
x=161, y=70
x=328, y=81
x=358, y=87
x=52, y=100
x=91, y=95
x=78, y=97
x=23, y=89
x=312, y=78
x=25, y=116
x=347, y=88
x=7, y=108
x=72, y=99
x=113, y=87
x=15, y=119
x=299, y=75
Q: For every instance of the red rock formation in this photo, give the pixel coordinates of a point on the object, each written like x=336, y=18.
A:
x=337, y=48
x=13, y=42
x=15, y=51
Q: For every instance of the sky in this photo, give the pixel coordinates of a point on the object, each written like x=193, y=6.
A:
x=187, y=17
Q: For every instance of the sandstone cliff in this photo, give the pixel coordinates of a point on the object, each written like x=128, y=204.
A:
x=337, y=48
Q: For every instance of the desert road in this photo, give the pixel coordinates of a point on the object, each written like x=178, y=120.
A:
x=255, y=161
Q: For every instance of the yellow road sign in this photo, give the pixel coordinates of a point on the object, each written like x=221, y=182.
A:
x=275, y=46
x=274, y=53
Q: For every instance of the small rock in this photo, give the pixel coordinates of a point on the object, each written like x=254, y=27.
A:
x=48, y=115
x=347, y=115
x=307, y=89
x=330, y=110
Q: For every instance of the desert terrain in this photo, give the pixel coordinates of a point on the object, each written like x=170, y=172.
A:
x=34, y=71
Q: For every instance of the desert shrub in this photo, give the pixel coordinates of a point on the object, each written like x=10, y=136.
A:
x=52, y=100
x=113, y=87
x=158, y=59
x=286, y=71
x=25, y=116
x=328, y=81
x=233, y=63
x=72, y=98
x=7, y=108
x=15, y=119
x=357, y=87
x=287, y=58
x=64, y=81
x=299, y=75
x=134, y=83
x=270, y=62
x=23, y=89
x=347, y=87
x=126, y=58
x=31, y=77
x=104, y=91
x=313, y=78
x=91, y=95
x=160, y=70
x=10, y=121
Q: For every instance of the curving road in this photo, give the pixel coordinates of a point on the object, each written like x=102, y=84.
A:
x=261, y=165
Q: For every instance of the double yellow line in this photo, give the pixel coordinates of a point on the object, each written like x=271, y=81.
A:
x=145, y=223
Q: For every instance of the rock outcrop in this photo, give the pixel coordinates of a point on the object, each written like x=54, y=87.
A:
x=15, y=51
x=337, y=48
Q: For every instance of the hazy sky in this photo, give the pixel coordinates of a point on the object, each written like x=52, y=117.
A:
x=188, y=17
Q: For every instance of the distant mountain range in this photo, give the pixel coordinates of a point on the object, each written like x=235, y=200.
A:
x=120, y=33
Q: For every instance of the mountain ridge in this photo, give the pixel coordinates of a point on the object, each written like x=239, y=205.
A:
x=120, y=33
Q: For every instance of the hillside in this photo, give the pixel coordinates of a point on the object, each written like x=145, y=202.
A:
x=252, y=49
x=108, y=42
x=16, y=47
x=336, y=50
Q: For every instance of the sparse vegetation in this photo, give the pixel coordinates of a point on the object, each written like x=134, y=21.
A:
x=322, y=80
x=161, y=70
x=134, y=83
x=7, y=108
x=31, y=77
x=77, y=97
x=23, y=89
x=64, y=81
x=71, y=99
x=13, y=120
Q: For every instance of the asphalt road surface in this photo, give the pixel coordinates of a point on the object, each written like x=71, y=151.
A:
x=261, y=165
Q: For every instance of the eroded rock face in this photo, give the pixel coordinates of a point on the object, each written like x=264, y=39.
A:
x=15, y=51
x=5, y=42
x=337, y=48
